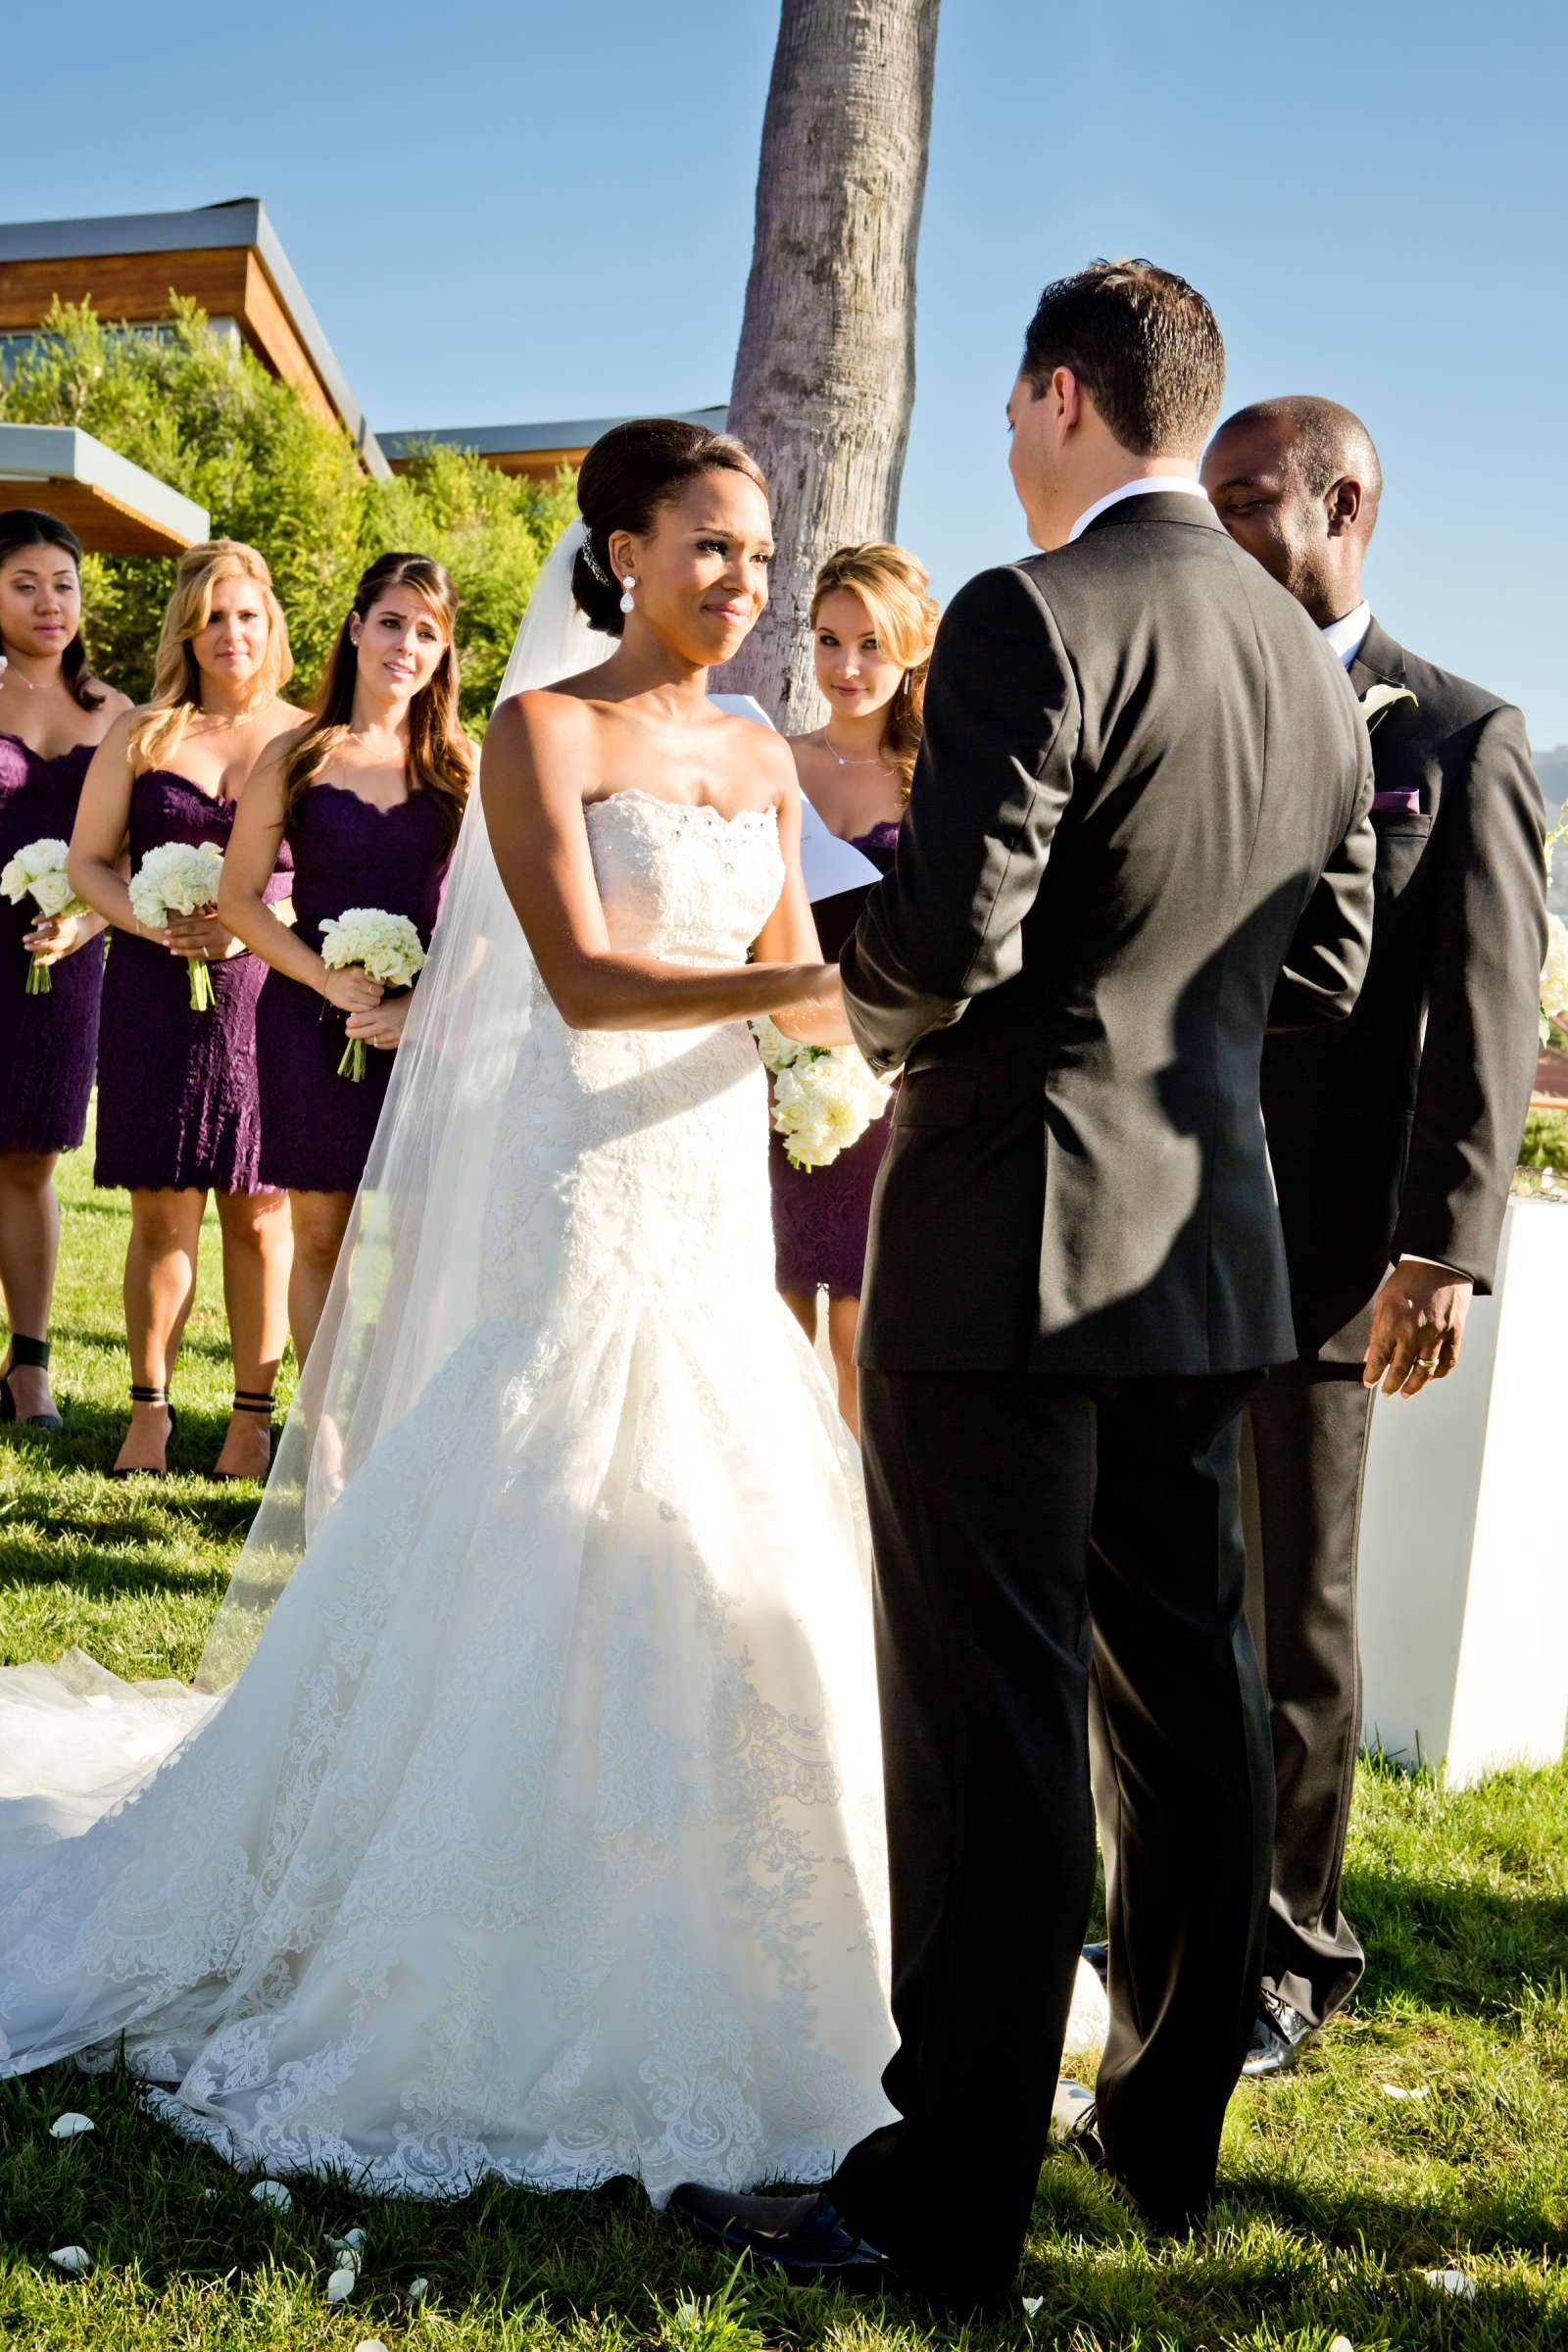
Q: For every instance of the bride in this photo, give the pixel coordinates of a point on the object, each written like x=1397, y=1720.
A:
x=526, y=1816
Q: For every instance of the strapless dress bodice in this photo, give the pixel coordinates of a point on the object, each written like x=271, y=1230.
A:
x=683, y=882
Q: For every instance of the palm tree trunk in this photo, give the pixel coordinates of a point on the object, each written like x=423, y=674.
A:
x=824, y=379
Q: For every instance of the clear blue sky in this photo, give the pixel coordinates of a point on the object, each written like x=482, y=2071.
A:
x=504, y=212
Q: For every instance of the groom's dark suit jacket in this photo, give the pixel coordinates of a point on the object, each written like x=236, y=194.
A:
x=1138, y=833
x=1399, y=1130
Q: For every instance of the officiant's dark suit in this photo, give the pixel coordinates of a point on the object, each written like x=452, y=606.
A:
x=1138, y=834
x=1396, y=1137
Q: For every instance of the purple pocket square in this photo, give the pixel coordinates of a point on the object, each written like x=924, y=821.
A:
x=1402, y=804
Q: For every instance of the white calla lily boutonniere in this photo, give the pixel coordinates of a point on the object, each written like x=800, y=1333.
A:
x=1380, y=699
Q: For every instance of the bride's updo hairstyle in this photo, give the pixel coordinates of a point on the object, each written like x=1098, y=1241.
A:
x=627, y=475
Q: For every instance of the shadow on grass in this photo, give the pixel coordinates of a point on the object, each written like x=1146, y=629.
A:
x=1455, y=1946
x=92, y=1435
x=101, y=1572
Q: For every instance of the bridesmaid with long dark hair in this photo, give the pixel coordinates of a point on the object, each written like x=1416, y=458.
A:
x=873, y=624
x=53, y=715
x=177, y=1087
x=368, y=798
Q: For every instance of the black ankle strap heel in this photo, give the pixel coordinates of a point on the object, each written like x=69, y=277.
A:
x=247, y=1401
x=142, y=1394
x=30, y=1356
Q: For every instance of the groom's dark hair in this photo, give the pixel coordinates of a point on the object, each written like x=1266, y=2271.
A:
x=1145, y=346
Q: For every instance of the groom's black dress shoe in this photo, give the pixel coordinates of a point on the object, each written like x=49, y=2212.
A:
x=1279, y=2038
x=805, y=2237
x=810, y=2243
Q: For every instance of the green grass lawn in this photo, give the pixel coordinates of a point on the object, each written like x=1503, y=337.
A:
x=1335, y=2195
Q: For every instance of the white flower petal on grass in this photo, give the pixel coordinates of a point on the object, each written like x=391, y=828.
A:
x=1401, y=2090
x=71, y=2126
x=1342, y=2343
x=71, y=2259
x=273, y=2194
x=370, y=2343
x=341, y=2285
x=1031, y=2304
x=417, y=2290
x=1451, y=2283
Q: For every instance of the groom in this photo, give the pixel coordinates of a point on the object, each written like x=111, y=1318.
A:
x=1138, y=835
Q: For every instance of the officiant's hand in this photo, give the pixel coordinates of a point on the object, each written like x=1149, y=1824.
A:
x=1417, y=1327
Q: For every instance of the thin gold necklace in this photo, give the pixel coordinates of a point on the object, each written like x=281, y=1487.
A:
x=880, y=759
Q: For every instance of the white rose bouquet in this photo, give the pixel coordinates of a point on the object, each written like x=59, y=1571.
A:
x=387, y=947
x=37, y=871
x=824, y=1097
x=180, y=877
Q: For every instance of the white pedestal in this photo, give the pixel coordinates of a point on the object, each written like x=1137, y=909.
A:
x=1464, y=1573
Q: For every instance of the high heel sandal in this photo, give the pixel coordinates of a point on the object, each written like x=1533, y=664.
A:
x=139, y=1395
x=247, y=1401
x=30, y=1356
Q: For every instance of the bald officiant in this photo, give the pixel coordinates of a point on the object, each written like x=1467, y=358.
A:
x=1394, y=1137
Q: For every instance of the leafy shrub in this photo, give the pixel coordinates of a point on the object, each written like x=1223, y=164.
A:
x=199, y=410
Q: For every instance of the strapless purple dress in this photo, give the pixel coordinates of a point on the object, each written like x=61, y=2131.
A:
x=821, y=1218
x=176, y=1088
x=47, y=1043
x=317, y=1127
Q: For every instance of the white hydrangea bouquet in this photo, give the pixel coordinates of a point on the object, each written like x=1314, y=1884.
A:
x=37, y=871
x=824, y=1097
x=387, y=947
x=179, y=878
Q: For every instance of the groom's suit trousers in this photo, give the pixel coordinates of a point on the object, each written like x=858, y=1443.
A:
x=1025, y=1527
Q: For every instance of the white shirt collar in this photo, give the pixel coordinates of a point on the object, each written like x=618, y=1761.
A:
x=1349, y=635
x=1144, y=486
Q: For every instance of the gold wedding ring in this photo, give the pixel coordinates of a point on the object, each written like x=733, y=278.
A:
x=1427, y=1363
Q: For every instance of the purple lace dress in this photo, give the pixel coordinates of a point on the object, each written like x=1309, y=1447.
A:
x=47, y=1043
x=316, y=1126
x=821, y=1218
x=176, y=1088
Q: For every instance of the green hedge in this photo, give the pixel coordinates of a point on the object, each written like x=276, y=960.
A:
x=199, y=410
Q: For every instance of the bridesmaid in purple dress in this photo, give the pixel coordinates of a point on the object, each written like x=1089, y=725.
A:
x=368, y=797
x=873, y=622
x=176, y=1088
x=53, y=715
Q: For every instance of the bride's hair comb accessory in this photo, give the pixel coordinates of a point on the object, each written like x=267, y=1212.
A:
x=592, y=560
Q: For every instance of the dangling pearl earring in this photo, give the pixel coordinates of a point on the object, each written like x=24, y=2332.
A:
x=628, y=603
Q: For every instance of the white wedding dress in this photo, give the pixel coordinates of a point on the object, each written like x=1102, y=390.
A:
x=542, y=1834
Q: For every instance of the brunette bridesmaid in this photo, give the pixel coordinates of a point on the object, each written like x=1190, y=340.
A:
x=368, y=797
x=53, y=715
x=873, y=622
x=177, y=1116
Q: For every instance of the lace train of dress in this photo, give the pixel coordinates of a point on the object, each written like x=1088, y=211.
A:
x=542, y=1835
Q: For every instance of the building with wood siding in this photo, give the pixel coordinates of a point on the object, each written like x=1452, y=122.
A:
x=228, y=257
